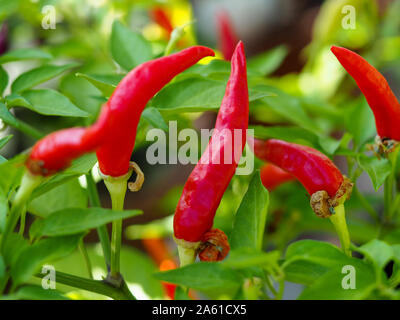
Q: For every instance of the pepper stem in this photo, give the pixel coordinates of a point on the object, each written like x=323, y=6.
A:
x=187, y=251
x=186, y=255
x=338, y=220
x=117, y=188
x=28, y=183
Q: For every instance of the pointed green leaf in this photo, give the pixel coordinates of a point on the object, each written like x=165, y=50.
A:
x=52, y=103
x=250, y=219
x=76, y=220
x=39, y=75
x=128, y=48
x=105, y=83
x=24, y=54
x=377, y=169
x=34, y=256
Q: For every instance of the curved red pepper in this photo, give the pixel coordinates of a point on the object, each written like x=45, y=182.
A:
x=313, y=169
x=207, y=183
x=227, y=38
x=373, y=85
x=128, y=101
x=273, y=176
x=160, y=16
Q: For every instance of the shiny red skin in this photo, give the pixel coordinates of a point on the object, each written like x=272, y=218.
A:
x=227, y=38
x=314, y=170
x=207, y=183
x=373, y=85
x=130, y=98
x=160, y=16
x=273, y=176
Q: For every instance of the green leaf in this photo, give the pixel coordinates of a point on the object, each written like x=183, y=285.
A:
x=249, y=223
x=269, y=61
x=377, y=169
x=377, y=251
x=11, y=172
x=360, y=122
x=79, y=166
x=246, y=258
x=39, y=75
x=4, y=140
x=289, y=133
x=77, y=220
x=52, y=103
x=289, y=107
x=33, y=257
x=202, y=276
x=194, y=95
x=329, y=286
x=128, y=48
x=13, y=247
x=307, y=260
x=3, y=80
x=154, y=118
x=136, y=266
x=24, y=54
x=205, y=70
x=3, y=209
x=105, y=83
x=66, y=195
x=15, y=100
x=32, y=292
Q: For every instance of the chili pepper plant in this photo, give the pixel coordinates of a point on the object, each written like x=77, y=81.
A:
x=307, y=208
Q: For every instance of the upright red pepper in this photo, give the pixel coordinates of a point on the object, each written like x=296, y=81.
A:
x=207, y=183
x=273, y=176
x=128, y=101
x=160, y=16
x=316, y=172
x=227, y=39
x=373, y=85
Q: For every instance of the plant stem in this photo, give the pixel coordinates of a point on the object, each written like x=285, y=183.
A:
x=96, y=286
x=339, y=222
x=117, y=188
x=28, y=184
x=388, y=186
x=101, y=231
x=86, y=258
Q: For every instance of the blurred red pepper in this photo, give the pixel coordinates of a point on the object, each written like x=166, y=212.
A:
x=227, y=38
x=316, y=172
x=130, y=98
x=159, y=252
x=208, y=181
x=373, y=85
x=160, y=16
x=273, y=176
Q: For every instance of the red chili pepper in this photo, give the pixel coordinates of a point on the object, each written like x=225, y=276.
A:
x=208, y=181
x=128, y=101
x=373, y=85
x=316, y=172
x=273, y=176
x=113, y=135
x=160, y=16
x=56, y=151
x=226, y=35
